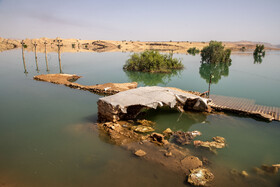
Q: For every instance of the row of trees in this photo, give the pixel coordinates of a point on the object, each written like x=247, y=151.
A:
x=215, y=63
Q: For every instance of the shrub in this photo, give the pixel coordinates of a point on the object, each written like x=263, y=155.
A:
x=215, y=53
x=24, y=46
x=152, y=61
x=193, y=51
x=73, y=45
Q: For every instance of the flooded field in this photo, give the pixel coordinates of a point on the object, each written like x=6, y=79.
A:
x=47, y=139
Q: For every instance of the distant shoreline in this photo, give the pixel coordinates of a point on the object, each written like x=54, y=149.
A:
x=76, y=45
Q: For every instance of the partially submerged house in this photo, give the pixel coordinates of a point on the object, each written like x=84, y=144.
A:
x=128, y=104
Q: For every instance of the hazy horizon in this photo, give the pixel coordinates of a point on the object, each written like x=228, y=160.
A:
x=180, y=20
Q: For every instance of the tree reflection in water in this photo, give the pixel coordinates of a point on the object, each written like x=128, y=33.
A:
x=152, y=79
x=213, y=72
x=258, y=59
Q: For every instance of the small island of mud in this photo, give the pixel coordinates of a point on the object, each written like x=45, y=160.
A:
x=68, y=80
x=156, y=148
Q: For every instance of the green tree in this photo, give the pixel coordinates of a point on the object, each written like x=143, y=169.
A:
x=259, y=50
x=215, y=53
x=259, y=53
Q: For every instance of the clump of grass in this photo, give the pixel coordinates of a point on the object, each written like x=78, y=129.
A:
x=152, y=61
x=193, y=51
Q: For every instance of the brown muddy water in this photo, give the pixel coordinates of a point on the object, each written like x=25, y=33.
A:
x=46, y=139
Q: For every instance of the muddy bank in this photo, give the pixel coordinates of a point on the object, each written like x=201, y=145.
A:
x=68, y=80
x=77, y=45
x=163, y=150
x=153, y=147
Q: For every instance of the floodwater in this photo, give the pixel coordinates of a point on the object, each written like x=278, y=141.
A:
x=46, y=137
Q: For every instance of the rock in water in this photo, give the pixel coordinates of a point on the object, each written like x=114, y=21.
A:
x=191, y=162
x=200, y=177
x=270, y=169
x=168, y=154
x=244, y=173
x=145, y=122
x=184, y=138
x=276, y=165
x=218, y=143
x=142, y=128
x=140, y=153
x=219, y=139
x=259, y=171
x=158, y=139
x=167, y=131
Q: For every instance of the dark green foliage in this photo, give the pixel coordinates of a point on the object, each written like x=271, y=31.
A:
x=215, y=53
x=24, y=46
x=259, y=50
x=243, y=49
x=259, y=53
x=151, y=79
x=152, y=61
x=214, y=70
x=258, y=59
x=119, y=46
x=73, y=45
x=193, y=51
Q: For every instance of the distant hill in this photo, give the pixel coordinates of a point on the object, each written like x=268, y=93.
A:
x=77, y=45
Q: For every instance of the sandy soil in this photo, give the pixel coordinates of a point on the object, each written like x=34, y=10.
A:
x=75, y=45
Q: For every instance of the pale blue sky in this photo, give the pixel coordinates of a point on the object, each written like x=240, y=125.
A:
x=145, y=20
